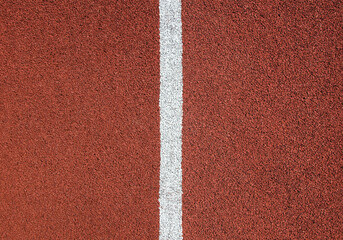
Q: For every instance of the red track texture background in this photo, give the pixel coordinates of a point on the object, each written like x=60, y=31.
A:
x=262, y=119
x=262, y=130
x=80, y=120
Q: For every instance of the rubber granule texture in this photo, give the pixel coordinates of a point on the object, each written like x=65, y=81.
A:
x=262, y=128
x=79, y=119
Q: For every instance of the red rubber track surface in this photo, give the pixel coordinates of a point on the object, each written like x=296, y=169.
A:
x=79, y=137
x=262, y=128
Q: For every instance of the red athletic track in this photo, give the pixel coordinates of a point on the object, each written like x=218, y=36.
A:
x=79, y=119
x=262, y=130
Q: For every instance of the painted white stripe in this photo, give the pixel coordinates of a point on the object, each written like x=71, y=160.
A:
x=170, y=119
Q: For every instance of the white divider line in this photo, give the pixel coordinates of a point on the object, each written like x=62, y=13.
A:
x=170, y=120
